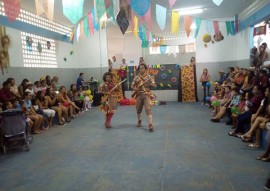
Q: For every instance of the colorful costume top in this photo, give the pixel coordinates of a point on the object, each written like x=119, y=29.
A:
x=108, y=102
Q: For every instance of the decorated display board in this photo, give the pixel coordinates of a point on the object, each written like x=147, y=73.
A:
x=165, y=76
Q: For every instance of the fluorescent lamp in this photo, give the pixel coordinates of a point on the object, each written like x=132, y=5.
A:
x=189, y=11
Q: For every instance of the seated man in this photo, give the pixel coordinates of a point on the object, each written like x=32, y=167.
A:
x=5, y=93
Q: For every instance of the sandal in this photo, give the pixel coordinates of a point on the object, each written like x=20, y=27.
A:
x=266, y=159
x=61, y=123
x=254, y=146
x=263, y=156
x=247, y=139
x=231, y=133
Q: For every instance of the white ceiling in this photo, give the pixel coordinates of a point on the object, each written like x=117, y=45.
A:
x=228, y=8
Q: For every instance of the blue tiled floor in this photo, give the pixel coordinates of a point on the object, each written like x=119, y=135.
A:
x=186, y=152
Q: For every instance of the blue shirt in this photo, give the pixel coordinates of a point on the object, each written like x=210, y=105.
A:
x=79, y=82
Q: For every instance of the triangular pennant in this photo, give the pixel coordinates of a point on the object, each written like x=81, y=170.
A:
x=198, y=25
x=46, y=7
x=86, y=27
x=232, y=27
x=90, y=23
x=148, y=19
x=140, y=7
x=175, y=22
x=135, y=30
x=100, y=8
x=209, y=26
x=73, y=9
x=216, y=26
x=107, y=4
x=122, y=21
x=171, y=3
x=161, y=13
x=96, y=23
x=12, y=9
x=188, y=22
x=228, y=27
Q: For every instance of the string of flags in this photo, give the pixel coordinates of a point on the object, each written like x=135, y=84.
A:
x=125, y=13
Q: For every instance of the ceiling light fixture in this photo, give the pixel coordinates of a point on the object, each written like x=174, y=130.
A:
x=189, y=11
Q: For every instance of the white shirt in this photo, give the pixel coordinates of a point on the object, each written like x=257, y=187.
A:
x=115, y=65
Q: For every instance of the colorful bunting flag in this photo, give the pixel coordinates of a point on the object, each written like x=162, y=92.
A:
x=73, y=9
x=209, y=26
x=161, y=13
x=12, y=9
x=171, y=3
x=122, y=21
x=135, y=30
x=140, y=7
x=187, y=22
x=175, y=22
x=198, y=25
x=228, y=27
x=100, y=8
x=90, y=23
x=163, y=49
x=148, y=19
x=86, y=27
x=216, y=27
x=96, y=23
x=45, y=6
x=233, y=27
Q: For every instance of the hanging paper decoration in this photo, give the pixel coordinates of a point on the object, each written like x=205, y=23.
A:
x=140, y=7
x=135, y=30
x=175, y=22
x=174, y=79
x=148, y=19
x=161, y=85
x=171, y=3
x=73, y=9
x=216, y=26
x=86, y=27
x=209, y=26
x=39, y=48
x=116, y=7
x=163, y=76
x=161, y=13
x=259, y=30
x=124, y=5
x=206, y=39
x=78, y=32
x=4, y=63
x=229, y=28
x=29, y=42
x=188, y=22
x=82, y=29
x=90, y=23
x=217, y=2
x=5, y=41
x=177, y=67
x=122, y=21
x=96, y=23
x=218, y=37
x=163, y=49
x=233, y=27
x=158, y=66
x=198, y=25
x=162, y=68
x=109, y=5
x=100, y=8
x=45, y=6
x=48, y=45
x=12, y=9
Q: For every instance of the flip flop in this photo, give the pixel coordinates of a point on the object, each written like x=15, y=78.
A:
x=253, y=146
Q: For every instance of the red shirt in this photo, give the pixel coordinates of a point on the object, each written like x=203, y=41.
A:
x=5, y=95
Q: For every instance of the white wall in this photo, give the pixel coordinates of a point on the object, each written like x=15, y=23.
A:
x=222, y=51
x=15, y=49
x=91, y=51
x=241, y=45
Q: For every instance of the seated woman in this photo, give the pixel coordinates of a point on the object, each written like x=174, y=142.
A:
x=229, y=104
x=252, y=106
x=265, y=156
x=249, y=82
x=44, y=105
x=65, y=101
x=259, y=119
x=240, y=108
x=53, y=103
x=30, y=113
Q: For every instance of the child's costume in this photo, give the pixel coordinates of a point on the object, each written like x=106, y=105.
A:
x=88, y=99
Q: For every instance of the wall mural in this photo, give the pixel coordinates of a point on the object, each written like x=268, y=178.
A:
x=4, y=45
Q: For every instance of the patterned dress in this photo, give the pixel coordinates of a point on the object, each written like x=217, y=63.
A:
x=108, y=102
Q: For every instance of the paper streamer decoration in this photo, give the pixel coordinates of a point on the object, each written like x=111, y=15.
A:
x=163, y=49
x=45, y=6
x=122, y=21
x=233, y=27
x=39, y=48
x=96, y=23
x=188, y=22
x=216, y=27
x=148, y=19
x=109, y=5
x=135, y=30
x=100, y=8
x=73, y=9
x=85, y=26
x=198, y=25
x=90, y=23
x=171, y=3
x=116, y=7
x=175, y=22
x=12, y=9
x=161, y=13
x=209, y=26
x=140, y=7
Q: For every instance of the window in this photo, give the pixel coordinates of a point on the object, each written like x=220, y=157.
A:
x=43, y=56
